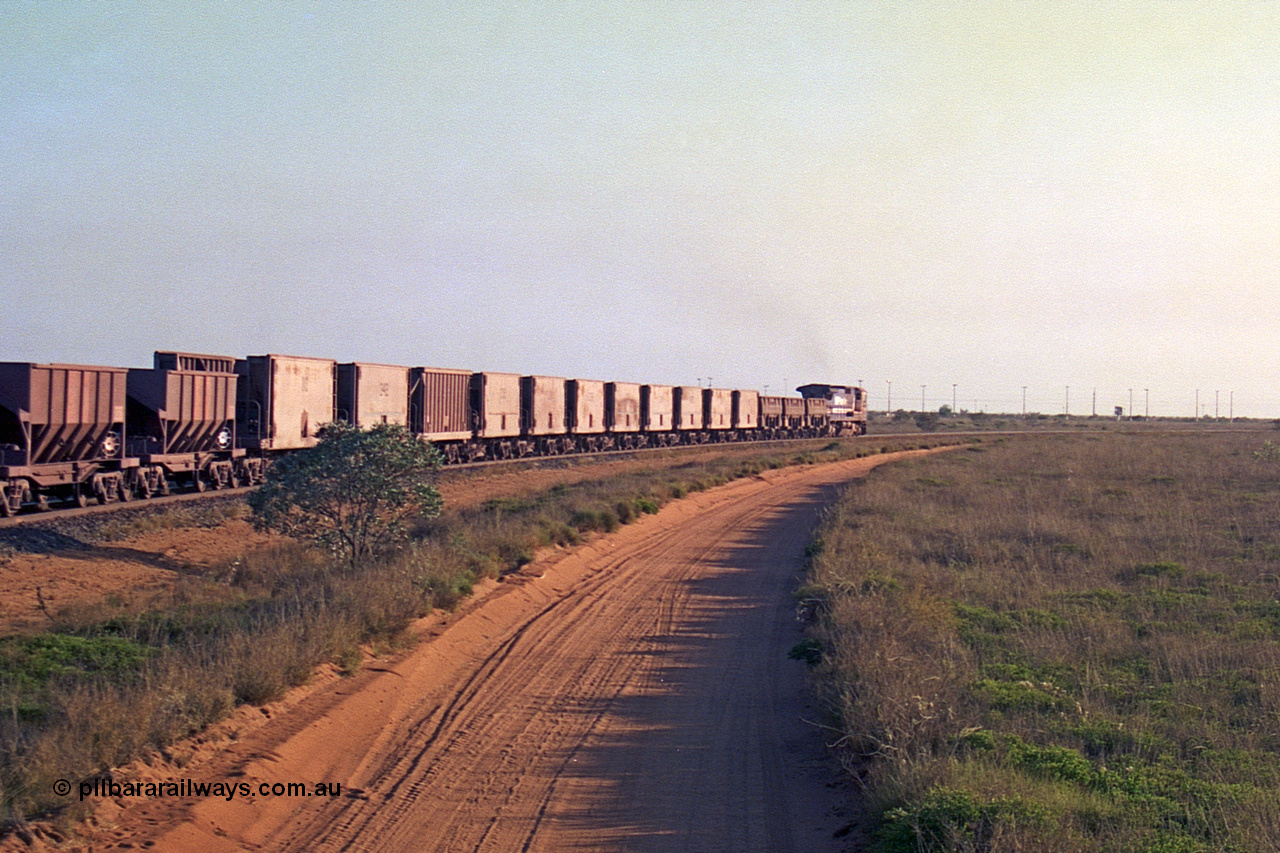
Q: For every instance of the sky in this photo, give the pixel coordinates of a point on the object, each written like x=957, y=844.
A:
x=947, y=201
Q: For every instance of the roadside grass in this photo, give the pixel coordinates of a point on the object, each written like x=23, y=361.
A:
x=107, y=684
x=1058, y=643
x=210, y=513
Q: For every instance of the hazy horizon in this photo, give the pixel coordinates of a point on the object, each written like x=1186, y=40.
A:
x=990, y=194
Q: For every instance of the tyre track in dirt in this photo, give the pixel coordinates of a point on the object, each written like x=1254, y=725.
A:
x=631, y=696
x=496, y=707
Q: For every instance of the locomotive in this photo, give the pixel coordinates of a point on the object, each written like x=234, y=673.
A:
x=72, y=433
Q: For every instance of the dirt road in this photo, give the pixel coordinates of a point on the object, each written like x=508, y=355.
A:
x=633, y=695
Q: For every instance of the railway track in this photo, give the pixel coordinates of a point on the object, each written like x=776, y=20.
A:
x=70, y=510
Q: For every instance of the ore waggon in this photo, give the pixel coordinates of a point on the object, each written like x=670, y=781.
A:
x=182, y=426
x=62, y=429
x=75, y=432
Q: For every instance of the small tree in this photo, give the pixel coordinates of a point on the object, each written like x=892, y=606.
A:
x=352, y=492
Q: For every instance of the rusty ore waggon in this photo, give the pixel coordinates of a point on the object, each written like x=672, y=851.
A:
x=75, y=432
x=181, y=426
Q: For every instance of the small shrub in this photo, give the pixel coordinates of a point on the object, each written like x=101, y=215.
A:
x=647, y=505
x=1166, y=568
x=1102, y=599
x=948, y=820
x=1268, y=453
x=1059, y=763
x=809, y=651
x=558, y=533
x=875, y=584
x=589, y=520
x=977, y=740
x=1020, y=696
x=926, y=421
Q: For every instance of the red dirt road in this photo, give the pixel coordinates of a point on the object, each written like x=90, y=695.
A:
x=633, y=695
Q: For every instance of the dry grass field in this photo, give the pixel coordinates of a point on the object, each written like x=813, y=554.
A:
x=1059, y=643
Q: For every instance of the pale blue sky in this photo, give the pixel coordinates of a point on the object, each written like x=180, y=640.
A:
x=988, y=194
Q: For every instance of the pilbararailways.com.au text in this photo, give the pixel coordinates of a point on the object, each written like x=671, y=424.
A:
x=186, y=788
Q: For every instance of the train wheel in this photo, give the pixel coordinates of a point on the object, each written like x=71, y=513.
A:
x=80, y=499
x=126, y=492
x=6, y=507
x=199, y=484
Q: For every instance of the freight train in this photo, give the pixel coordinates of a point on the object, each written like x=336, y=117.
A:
x=75, y=433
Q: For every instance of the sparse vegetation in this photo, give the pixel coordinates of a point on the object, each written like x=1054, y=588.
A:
x=1059, y=644
x=107, y=683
